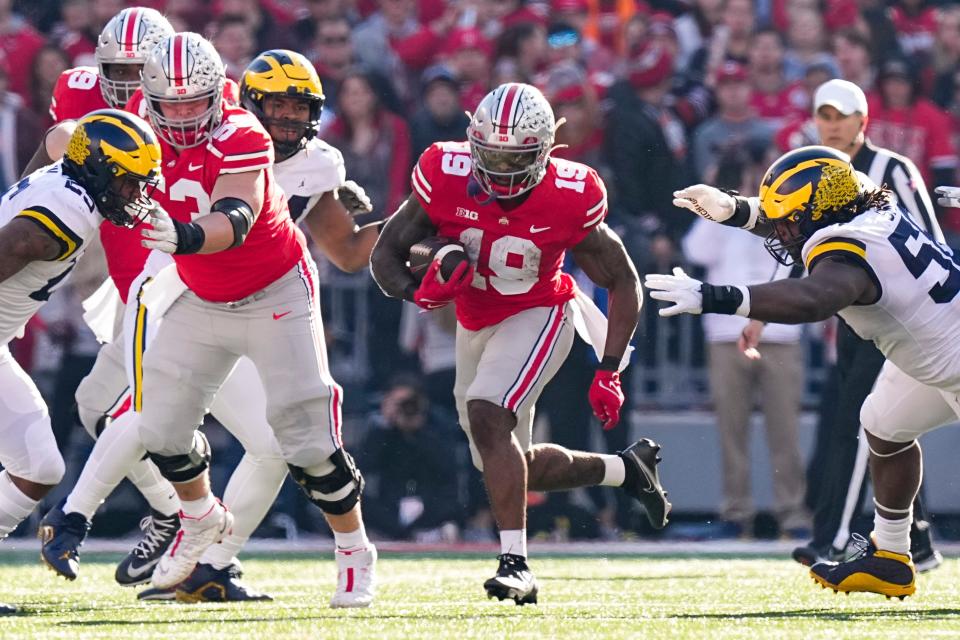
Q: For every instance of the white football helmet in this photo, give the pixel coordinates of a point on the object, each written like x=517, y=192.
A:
x=511, y=135
x=184, y=68
x=128, y=38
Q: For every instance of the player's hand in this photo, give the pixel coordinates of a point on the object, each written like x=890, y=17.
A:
x=434, y=294
x=354, y=199
x=163, y=234
x=750, y=339
x=606, y=397
x=949, y=196
x=680, y=289
x=706, y=201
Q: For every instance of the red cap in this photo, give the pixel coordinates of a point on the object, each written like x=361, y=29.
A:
x=661, y=24
x=570, y=6
x=732, y=72
x=649, y=66
x=467, y=38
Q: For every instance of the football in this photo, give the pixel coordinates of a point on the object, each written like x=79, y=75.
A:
x=450, y=253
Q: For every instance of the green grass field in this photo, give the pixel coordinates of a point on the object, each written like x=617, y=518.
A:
x=441, y=597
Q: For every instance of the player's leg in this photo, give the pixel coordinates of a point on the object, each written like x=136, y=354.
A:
x=303, y=408
x=899, y=410
x=28, y=450
x=241, y=407
x=188, y=360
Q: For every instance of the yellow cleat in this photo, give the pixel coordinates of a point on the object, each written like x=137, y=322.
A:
x=873, y=571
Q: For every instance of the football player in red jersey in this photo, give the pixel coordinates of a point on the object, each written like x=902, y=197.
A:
x=517, y=210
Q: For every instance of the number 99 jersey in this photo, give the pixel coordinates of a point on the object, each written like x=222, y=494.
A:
x=518, y=253
x=915, y=321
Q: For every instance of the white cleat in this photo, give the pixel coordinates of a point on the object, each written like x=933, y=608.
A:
x=355, y=577
x=195, y=535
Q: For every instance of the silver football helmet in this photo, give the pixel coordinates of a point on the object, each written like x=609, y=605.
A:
x=184, y=68
x=511, y=135
x=128, y=38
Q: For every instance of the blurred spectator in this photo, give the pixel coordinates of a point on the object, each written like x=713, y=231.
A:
x=574, y=100
x=317, y=11
x=75, y=34
x=852, y=51
x=431, y=336
x=695, y=28
x=646, y=148
x=734, y=126
x=412, y=468
x=729, y=42
x=21, y=130
x=233, y=38
x=266, y=33
x=774, y=100
x=916, y=25
x=21, y=43
x=504, y=14
x=187, y=15
x=565, y=44
x=526, y=44
x=907, y=123
x=689, y=98
x=467, y=52
x=103, y=10
x=946, y=55
x=736, y=381
x=332, y=55
x=48, y=64
x=801, y=131
x=605, y=20
x=806, y=44
x=441, y=116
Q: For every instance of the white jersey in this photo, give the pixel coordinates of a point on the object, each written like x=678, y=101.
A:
x=915, y=322
x=60, y=207
x=308, y=174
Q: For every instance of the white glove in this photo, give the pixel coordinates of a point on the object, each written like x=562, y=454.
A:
x=354, y=198
x=949, y=196
x=680, y=289
x=163, y=235
x=706, y=201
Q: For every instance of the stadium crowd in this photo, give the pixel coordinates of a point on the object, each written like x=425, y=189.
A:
x=655, y=95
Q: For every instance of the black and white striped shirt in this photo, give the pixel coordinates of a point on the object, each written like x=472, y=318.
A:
x=902, y=177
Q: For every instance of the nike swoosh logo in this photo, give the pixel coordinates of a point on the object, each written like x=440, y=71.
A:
x=536, y=229
x=277, y=316
x=650, y=479
x=604, y=385
x=193, y=167
x=141, y=570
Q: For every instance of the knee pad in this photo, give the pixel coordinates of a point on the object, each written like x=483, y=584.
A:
x=337, y=492
x=184, y=467
x=47, y=469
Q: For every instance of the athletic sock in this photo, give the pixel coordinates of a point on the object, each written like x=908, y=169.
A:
x=15, y=505
x=614, y=471
x=892, y=535
x=196, y=509
x=514, y=542
x=352, y=539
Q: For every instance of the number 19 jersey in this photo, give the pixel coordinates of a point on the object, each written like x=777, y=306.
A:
x=915, y=321
x=518, y=253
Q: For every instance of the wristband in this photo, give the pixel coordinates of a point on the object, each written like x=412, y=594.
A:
x=609, y=363
x=725, y=300
x=190, y=237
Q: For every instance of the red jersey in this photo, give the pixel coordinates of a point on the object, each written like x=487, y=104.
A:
x=778, y=108
x=274, y=244
x=518, y=253
x=920, y=132
x=76, y=94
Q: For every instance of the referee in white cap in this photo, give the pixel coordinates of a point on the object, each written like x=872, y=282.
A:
x=839, y=464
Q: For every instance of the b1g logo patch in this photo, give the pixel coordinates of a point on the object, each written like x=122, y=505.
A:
x=466, y=213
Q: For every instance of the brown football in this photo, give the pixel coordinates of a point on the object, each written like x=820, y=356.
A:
x=450, y=252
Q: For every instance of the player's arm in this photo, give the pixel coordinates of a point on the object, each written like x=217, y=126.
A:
x=388, y=262
x=22, y=242
x=237, y=199
x=834, y=283
x=730, y=209
x=333, y=229
x=604, y=259
x=52, y=147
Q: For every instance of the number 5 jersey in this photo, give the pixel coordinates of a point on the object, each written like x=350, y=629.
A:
x=518, y=253
x=915, y=320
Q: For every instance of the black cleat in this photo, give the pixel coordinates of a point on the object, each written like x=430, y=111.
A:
x=642, y=481
x=8, y=610
x=207, y=584
x=872, y=570
x=513, y=580
x=158, y=532
x=153, y=593
x=61, y=535
x=810, y=555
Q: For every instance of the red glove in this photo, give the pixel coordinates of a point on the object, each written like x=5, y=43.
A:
x=434, y=294
x=606, y=397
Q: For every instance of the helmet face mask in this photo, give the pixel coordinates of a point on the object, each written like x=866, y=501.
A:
x=127, y=40
x=511, y=136
x=785, y=241
x=182, y=69
x=274, y=87
x=115, y=157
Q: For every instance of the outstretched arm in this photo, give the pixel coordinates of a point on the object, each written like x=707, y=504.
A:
x=603, y=258
x=832, y=285
x=388, y=262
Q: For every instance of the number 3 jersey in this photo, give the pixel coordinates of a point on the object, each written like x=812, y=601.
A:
x=915, y=322
x=61, y=209
x=518, y=253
